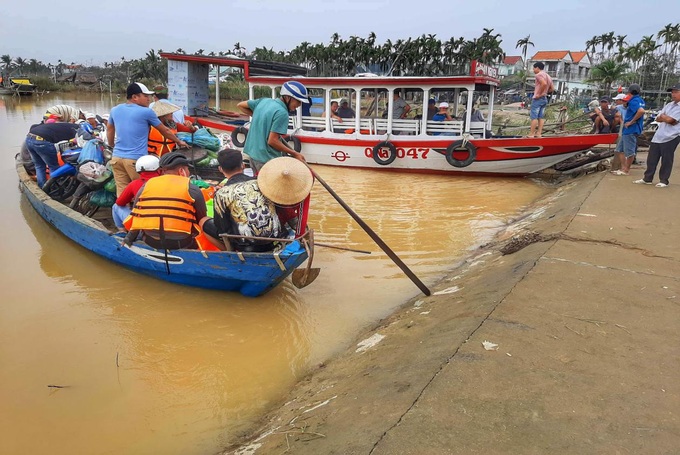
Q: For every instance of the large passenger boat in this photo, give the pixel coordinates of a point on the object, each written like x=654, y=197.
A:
x=373, y=137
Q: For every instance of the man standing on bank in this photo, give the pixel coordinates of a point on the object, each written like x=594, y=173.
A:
x=632, y=128
x=665, y=141
x=128, y=126
x=270, y=122
x=544, y=85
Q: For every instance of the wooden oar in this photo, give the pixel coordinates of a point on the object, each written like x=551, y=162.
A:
x=374, y=236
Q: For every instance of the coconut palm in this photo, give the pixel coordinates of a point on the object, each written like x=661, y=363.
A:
x=524, y=43
x=608, y=72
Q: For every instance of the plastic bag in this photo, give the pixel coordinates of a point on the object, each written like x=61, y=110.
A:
x=201, y=138
x=110, y=186
x=92, y=151
x=103, y=198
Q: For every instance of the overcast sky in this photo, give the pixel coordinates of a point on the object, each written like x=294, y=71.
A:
x=97, y=31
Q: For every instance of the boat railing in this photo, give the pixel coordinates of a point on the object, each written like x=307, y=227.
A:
x=447, y=128
x=348, y=125
x=313, y=123
x=478, y=129
x=399, y=126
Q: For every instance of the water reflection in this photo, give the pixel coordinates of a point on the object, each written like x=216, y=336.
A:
x=205, y=360
x=197, y=366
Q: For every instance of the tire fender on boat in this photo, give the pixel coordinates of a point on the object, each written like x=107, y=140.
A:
x=234, y=136
x=459, y=145
x=392, y=156
x=297, y=146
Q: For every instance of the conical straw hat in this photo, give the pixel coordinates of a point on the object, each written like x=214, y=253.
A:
x=162, y=109
x=285, y=180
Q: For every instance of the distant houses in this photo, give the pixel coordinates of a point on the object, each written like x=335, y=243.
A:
x=569, y=70
x=511, y=65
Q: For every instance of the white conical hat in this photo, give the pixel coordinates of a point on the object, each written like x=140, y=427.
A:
x=162, y=109
x=285, y=180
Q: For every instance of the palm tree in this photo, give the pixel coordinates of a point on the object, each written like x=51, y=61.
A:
x=20, y=63
x=524, y=43
x=671, y=36
x=7, y=61
x=608, y=72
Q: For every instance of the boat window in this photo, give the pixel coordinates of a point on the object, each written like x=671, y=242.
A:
x=262, y=91
x=446, y=120
x=343, y=119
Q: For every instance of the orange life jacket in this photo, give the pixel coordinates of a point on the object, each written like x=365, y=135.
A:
x=164, y=197
x=158, y=145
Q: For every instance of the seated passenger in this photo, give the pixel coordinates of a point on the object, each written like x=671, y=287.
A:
x=159, y=145
x=344, y=111
x=89, y=129
x=161, y=95
x=431, y=108
x=606, y=120
x=400, y=108
x=241, y=208
x=443, y=114
x=147, y=167
x=169, y=210
x=334, y=112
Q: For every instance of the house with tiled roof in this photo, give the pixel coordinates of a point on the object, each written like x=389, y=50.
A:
x=510, y=65
x=569, y=70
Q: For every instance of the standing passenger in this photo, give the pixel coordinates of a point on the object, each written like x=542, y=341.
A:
x=128, y=126
x=270, y=122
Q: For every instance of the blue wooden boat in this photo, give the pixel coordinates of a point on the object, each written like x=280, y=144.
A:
x=251, y=274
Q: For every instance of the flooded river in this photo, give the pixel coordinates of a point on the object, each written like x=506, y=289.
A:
x=145, y=366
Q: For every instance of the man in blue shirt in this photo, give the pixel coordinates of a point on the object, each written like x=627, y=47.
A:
x=632, y=128
x=270, y=122
x=129, y=125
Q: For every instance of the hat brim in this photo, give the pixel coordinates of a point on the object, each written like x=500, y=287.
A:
x=285, y=181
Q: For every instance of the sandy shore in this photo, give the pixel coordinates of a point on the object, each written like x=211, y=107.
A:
x=585, y=315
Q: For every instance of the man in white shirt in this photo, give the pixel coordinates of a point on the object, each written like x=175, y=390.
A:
x=664, y=142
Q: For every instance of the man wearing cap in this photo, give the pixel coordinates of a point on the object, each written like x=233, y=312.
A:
x=128, y=133
x=270, y=122
x=443, y=114
x=666, y=139
x=605, y=117
x=169, y=209
x=344, y=111
x=161, y=94
x=241, y=208
x=632, y=128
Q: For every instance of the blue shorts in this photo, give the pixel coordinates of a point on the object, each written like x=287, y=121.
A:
x=538, y=108
x=628, y=145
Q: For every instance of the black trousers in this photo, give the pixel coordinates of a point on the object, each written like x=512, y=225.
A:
x=664, y=152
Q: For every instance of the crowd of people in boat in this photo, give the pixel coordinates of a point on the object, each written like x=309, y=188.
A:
x=157, y=200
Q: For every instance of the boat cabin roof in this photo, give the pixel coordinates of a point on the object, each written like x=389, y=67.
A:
x=482, y=76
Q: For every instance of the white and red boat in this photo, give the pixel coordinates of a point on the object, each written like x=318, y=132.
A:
x=372, y=138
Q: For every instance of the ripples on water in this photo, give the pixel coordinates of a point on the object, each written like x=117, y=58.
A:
x=195, y=366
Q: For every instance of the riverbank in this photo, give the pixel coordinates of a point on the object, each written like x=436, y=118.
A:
x=584, y=310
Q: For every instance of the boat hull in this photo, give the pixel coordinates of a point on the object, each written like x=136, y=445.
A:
x=427, y=154
x=251, y=274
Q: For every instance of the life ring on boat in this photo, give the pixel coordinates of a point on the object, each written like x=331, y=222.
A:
x=459, y=146
x=390, y=158
x=297, y=146
x=234, y=136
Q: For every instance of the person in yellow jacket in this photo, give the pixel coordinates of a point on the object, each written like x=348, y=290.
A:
x=159, y=145
x=169, y=210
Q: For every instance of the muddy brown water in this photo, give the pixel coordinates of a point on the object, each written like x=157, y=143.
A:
x=145, y=366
